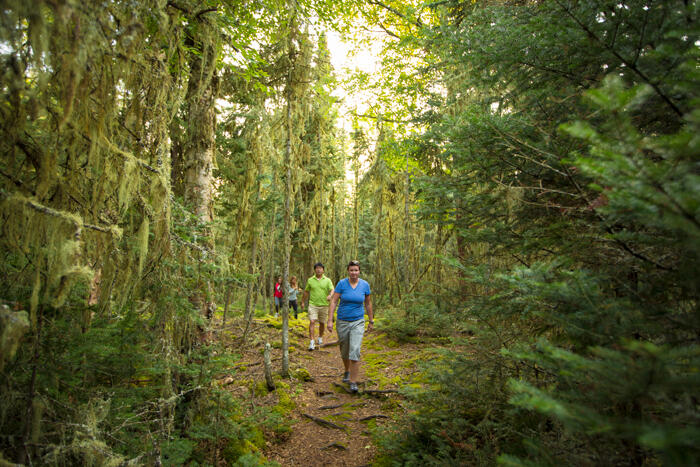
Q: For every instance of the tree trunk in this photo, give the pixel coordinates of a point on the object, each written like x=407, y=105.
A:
x=248, y=314
x=321, y=220
x=227, y=301
x=271, y=254
x=438, y=264
x=407, y=232
x=287, y=236
x=379, y=286
x=268, y=368
x=333, y=260
x=252, y=262
x=356, y=217
x=198, y=150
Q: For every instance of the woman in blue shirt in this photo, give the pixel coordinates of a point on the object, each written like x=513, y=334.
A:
x=354, y=296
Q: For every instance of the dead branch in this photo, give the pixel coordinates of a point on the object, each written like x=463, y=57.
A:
x=370, y=417
x=334, y=445
x=328, y=407
x=323, y=422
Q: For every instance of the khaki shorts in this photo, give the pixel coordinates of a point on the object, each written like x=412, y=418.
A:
x=318, y=313
x=350, y=337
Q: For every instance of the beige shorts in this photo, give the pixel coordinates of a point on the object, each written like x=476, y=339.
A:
x=318, y=313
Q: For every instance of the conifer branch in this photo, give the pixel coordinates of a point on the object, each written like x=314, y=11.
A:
x=631, y=65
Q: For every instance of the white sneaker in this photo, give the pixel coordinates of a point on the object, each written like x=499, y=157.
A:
x=319, y=341
x=311, y=345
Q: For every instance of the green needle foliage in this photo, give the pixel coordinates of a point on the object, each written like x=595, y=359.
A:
x=563, y=153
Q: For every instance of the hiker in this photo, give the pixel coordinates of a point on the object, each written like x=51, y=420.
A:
x=278, y=295
x=316, y=294
x=354, y=296
x=292, y=294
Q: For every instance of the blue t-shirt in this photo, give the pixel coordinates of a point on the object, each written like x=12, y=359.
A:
x=352, y=301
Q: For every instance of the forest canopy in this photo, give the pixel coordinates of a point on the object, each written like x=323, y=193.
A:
x=521, y=185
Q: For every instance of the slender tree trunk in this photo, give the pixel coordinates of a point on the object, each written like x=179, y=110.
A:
x=356, y=217
x=267, y=359
x=32, y=421
x=407, y=232
x=252, y=262
x=227, y=301
x=250, y=288
x=394, y=264
x=321, y=220
x=333, y=259
x=271, y=268
x=287, y=235
x=380, y=251
x=438, y=264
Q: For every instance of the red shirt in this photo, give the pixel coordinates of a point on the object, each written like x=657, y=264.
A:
x=278, y=291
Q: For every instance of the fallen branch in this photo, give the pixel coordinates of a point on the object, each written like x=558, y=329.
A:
x=324, y=423
x=334, y=445
x=327, y=407
x=370, y=417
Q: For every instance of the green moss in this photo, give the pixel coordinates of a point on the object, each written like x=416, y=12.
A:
x=285, y=404
x=376, y=364
x=257, y=387
x=303, y=374
x=237, y=448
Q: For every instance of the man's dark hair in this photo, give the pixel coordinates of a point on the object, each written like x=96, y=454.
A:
x=319, y=264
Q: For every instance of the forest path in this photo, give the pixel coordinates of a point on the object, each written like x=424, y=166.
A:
x=324, y=398
x=311, y=444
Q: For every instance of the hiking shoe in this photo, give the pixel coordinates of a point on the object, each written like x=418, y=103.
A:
x=346, y=377
x=311, y=345
x=353, y=388
x=319, y=342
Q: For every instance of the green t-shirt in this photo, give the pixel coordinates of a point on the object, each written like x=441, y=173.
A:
x=318, y=290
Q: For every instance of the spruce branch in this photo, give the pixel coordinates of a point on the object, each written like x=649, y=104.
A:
x=631, y=65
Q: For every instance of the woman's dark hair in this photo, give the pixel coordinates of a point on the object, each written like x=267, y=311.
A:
x=354, y=262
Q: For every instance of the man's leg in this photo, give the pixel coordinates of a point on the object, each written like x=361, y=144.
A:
x=312, y=330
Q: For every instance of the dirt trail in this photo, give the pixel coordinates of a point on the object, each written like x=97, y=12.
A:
x=324, y=398
x=311, y=444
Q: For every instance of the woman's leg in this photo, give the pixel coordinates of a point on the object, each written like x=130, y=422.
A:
x=354, y=367
x=354, y=347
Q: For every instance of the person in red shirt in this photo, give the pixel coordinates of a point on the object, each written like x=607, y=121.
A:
x=278, y=295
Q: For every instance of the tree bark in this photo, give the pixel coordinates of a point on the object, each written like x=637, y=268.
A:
x=287, y=230
x=333, y=261
x=268, y=368
x=198, y=148
x=252, y=262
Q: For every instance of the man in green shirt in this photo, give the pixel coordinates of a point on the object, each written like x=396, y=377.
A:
x=317, y=291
